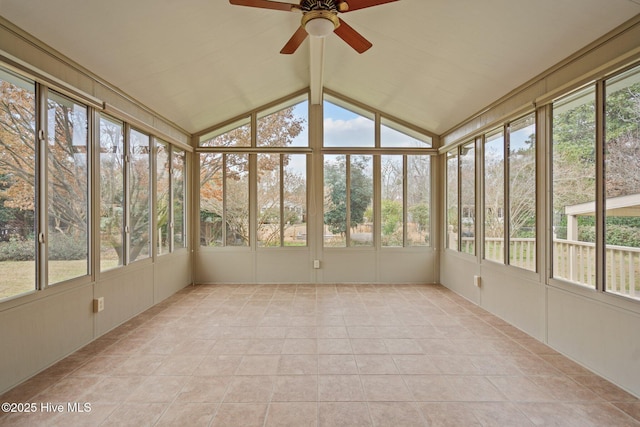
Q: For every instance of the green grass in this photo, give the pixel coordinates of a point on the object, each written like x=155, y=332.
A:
x=18, y=277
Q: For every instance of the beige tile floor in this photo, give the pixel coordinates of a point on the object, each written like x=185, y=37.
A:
x=320, y=355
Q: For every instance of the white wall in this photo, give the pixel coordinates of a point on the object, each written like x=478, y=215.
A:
x=598, y=331
x=283, y=265
x=41, y=328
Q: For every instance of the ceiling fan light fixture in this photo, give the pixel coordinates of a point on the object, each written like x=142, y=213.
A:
x=319, y=27
x=320, y=23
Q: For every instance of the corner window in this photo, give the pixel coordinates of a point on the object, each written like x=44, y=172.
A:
x=17, y=185
x=622, y=184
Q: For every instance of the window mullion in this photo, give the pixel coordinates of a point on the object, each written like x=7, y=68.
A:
x=405, y=167
x=41, y=180
x=224, y=200
x=281, y=189
x=170, y=215
x=600, y=201
x=347, y=228
x=506, y=202
x=459, y=201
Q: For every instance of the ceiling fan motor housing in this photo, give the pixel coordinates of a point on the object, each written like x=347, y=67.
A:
x=325, y=10
x=309, y=5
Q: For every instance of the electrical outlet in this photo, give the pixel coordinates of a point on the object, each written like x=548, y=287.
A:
x=98, y=304
x=316, y=263
x=477, y=281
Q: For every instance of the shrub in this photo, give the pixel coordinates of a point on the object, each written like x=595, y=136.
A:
x=65, y=247
x=17, y=250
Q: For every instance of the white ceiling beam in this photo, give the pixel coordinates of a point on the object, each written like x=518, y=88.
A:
x=316, y=68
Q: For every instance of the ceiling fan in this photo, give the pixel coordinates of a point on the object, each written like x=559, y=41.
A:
x=319, y=19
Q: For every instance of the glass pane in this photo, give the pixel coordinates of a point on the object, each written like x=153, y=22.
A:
x=392, y=208
x=236, y=199
x=237, y=134
x=361, y=201
x=335, y=201
x=522, y=193
x=17, y=185
x=622, y=184
x=574, y=188
x=395, y=135
x=418, y=200
x=211, y=199
x=287, y=127
x=139, y=200
x=162, y=197
x=452, y=200
x=344, y=128
x=179, y=220
x=269, y=200
x=111, y=193
x=468, y=198
x=494, y=197
x=295, y=199
x=67, y=189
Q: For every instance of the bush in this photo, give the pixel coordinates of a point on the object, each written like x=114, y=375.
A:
x=61, y=247
x=64, y=247
x=17, y=250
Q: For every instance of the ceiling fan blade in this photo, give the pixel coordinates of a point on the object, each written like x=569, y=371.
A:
x=352, y=37
x=295, y=41
x=362, y=4
x=266, y=4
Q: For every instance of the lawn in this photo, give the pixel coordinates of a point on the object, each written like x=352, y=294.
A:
x=17, y=277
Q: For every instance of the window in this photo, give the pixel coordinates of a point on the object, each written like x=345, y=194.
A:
x=163, y=199
x=348, y=205
x=276, y=164
x=178, y=184
x=468, y=198
x=139, y=223
x=67, y=194
x=392, y=211
x=282, y=197
x=461, y=199
x=494, y=164
x=622, y=184
x=511, y=208
x=111, y=193
x=574, y=187
x=522, y=193
x=224, y=199
x=344, y=127
x=452, y=200
x=394, y=135
x=284, y=125
x=374, y=179
x=236, y=134
x=17, y=185
x=405, y=200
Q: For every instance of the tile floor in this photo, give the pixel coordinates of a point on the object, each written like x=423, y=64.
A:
x=320, y=356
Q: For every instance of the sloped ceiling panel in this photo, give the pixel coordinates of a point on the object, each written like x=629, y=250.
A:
x=433, y=63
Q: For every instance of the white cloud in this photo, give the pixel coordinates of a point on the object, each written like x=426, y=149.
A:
x=357, y=132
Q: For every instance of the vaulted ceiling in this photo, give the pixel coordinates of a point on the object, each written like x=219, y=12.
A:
x=433, y=62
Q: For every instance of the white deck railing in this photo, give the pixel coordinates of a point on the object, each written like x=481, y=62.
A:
x=572, y=260
x=575, y=261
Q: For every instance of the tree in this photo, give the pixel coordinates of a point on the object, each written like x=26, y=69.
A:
x=360, y=193
x=574, y=167
x=17, y=160
x=274, y=130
